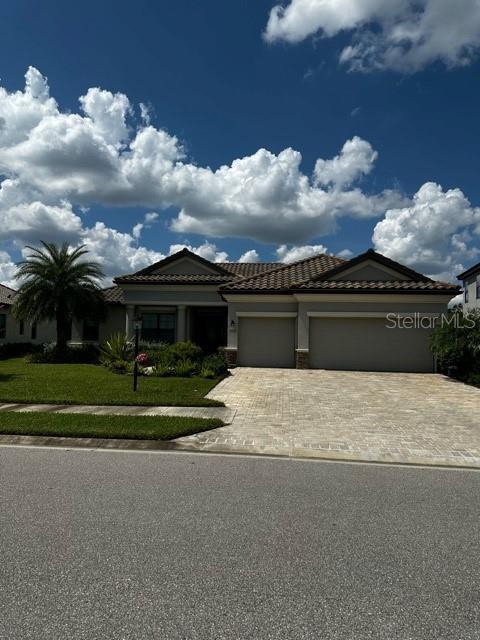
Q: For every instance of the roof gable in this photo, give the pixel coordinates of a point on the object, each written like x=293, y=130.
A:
x=369, y=264
x=183, y=262
x=470, y=272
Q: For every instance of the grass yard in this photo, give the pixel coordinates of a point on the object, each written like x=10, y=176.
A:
x=91, y=426
x=21, y=381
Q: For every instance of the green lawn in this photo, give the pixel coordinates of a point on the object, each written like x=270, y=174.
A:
x=91, y=426
x=21, y=381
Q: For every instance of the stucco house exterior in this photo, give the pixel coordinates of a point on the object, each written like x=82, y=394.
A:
x=471, y=287
x=367, y=313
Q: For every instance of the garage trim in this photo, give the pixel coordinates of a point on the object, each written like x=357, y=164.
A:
x=368, y=314
x=266, y=314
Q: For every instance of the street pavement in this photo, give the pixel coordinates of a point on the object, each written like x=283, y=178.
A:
x=133, y=545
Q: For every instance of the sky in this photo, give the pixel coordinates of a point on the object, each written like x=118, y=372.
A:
x=243, y=130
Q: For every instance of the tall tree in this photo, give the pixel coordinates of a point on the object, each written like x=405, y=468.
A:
x=59, y=284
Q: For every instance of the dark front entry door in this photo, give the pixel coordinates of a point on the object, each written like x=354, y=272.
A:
x=209, y=328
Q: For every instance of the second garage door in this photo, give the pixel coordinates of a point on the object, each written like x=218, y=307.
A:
x=366, y=344
x=266, y=342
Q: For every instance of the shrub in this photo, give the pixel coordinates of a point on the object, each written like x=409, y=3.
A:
x=143, y=359
x=163, y=371
x=216, y=363
x=18, y=349
x=171, y=354
x=116, y=348
x=205, y=372
x=473, y=379
x=179, y=351
x=87, y=354
x=185, y=368
x=119, y=366
x=456, y=342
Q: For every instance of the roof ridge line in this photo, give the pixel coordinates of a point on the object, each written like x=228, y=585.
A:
x=284, y=265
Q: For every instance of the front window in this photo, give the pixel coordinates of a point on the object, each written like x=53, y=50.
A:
x=34, y=331
x=90, y=330
x=3, y=325
x=158, y=327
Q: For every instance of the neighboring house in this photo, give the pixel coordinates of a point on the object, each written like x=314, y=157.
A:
x=321, y=312
x=471, y=287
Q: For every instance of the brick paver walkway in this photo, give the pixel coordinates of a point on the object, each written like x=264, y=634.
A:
x=386, y=417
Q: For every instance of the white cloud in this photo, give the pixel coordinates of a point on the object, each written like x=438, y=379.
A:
x=7, y=270
x=97, y=157
x=355, y=160
x=137, y=230
x=148, y=220
x=404, y=35
x=116, y=252
x=250, y=256
x=346, y=254
x=293, y=254
x=108, y=112
x=434, y=234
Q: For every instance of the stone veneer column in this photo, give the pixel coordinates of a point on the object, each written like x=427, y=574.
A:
x=231, y=357
x=301, y=359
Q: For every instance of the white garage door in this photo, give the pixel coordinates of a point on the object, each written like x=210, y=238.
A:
x=366, y=344
x=266, y=342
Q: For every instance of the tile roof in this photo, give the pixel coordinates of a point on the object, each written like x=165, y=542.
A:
x=7, y=295
x=375, y=285
x=229, y=271
x=247, y=269
x=174, y=278
x=282, y=276
x=114, y=295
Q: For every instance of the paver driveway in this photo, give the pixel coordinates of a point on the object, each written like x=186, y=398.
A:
x=388, y=417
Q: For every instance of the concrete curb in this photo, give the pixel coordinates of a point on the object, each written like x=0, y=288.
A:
x=225, y=414
x=120, y=444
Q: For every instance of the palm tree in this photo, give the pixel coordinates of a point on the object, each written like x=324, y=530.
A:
x=59, y=285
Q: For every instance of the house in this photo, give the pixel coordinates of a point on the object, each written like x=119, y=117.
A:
x=471, y=287
x=367, y=313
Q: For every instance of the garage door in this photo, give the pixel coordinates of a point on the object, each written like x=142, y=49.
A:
x=266, y=342
x=366, y=344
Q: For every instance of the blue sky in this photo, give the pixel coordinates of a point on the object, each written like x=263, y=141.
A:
x=211, y=79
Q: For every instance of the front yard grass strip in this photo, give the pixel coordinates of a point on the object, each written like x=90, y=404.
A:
x=22, y=382
x=70, y=425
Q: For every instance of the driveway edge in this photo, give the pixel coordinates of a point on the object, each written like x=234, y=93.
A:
x=120, y=444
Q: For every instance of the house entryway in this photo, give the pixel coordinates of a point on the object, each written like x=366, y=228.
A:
x=209, y=327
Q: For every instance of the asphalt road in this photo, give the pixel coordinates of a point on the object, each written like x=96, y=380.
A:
x=114, y=545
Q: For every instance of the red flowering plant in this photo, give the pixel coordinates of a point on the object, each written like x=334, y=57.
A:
x=143, y=359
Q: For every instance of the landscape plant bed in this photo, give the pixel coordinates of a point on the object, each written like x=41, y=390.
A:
x=22, y=382
x=71, y=425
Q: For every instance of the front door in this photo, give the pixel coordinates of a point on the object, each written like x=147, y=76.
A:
x=209, y=328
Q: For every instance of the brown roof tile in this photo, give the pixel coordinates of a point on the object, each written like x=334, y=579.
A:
x=7, y=295
x=282, y=276
x=375, y=285
x=174, y=278
x=248, y=269
x=114, y=295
